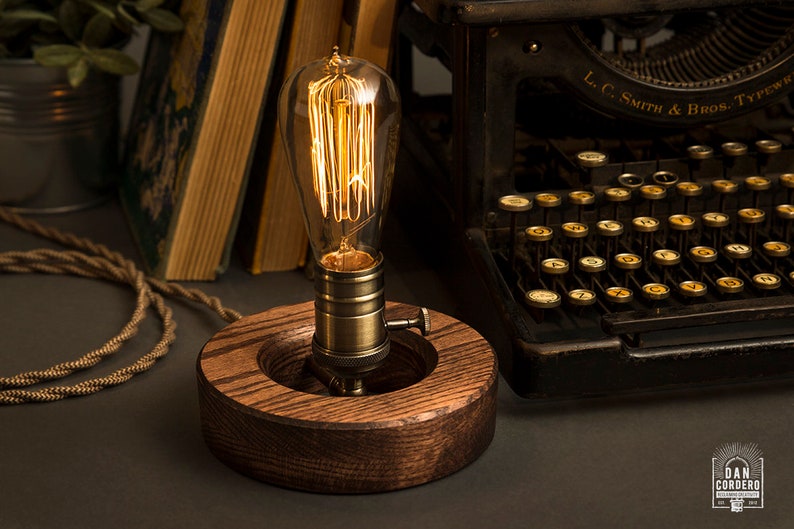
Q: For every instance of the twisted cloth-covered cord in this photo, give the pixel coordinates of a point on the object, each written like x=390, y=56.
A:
x=92, y=260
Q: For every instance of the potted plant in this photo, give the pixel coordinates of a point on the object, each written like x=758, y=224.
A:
x=60, y=62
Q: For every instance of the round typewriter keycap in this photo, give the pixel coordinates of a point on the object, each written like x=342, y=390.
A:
x=768, y=146
x=700, y=152
x=715, y=219
x=766, y=281
x=785, y=211
x=619, y=294
x=581, y=198
x=591, y=159
x=548, y=200
x=631, y=180
x=645, y=224
x=575, y=230
x=787, y=180
x=628, y=261
x=655, y=291
x=609, y=228
x=665, y=179
x=555, y=266
x=581, y=297
x=751, y=215
x=692, y=289
x=724, y=187
x=592, y=264
x=515, y=203
x=730, y=285
x=689, y=189
x=542, y=299
x=681, y=222
x=617, y=194
x=734, y=148
x=653, y=192
x=757, y=183
x=665, y=257
x=776, y=248
x=703, y=254
x=539, y=233
x=737, y=250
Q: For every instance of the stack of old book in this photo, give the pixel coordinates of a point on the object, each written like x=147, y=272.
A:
x=204, y=155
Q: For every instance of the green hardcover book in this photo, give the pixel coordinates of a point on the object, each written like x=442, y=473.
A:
x=192, y=133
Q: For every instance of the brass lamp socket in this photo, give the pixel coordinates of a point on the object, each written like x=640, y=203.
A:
x=350, y=338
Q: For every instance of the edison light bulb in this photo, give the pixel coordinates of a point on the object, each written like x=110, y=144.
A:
x=339, y=119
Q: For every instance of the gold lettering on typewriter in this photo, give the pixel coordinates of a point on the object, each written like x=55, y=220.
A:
x=676, y=109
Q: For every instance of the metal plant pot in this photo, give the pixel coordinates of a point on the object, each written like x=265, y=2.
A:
x=59, y=146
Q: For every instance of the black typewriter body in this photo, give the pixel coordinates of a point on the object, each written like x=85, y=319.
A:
x=624, y=177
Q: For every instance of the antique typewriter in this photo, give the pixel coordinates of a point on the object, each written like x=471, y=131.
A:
x=625, y=183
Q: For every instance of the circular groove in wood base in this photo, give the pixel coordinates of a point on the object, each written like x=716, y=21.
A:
x=262, y=415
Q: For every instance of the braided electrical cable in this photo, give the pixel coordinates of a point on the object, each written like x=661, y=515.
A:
x=91, y=260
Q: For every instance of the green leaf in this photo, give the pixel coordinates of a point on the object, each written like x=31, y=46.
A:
x=63, y=55
x=77, y=73
x=29, y=15
x=98, y=31
x=100, y=7
x=163, y=20
x=125, y=14
x=71, y=20
x=113, y=61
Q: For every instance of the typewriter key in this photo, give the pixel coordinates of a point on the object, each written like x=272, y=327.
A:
x=766, y=281
x=592, y=265
x=737, y=252
x=681, y=224
x=766, y=148
x=539, y=237
x=617, y=196
x=619, y=295
x=547, y=201
x=589, y=160
x=666, y=179
x=692, y=289
x=581, y=297
x=514, y=204
x=757, y=184
x=628, y=262
x=652, y=193
x=715, y=221
x=703, y=255
x=751, y=217
x=631, y=181
x=724, y=188
x=729, y=285
x=776, y=251
x=541, y=300
x=666, y=259
x=731, y=151
x=696, y=154
x=688, y=190
x=574, y=233
x=581, y=199
x=655, y=291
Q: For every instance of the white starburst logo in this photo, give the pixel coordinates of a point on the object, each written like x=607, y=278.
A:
x=737, y=477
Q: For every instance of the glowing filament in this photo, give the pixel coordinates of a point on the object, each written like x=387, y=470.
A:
x=342, y=124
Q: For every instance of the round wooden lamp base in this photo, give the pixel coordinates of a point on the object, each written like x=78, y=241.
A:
x=431, y=410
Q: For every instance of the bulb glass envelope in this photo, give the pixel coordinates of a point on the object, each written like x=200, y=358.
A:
x=339, y=119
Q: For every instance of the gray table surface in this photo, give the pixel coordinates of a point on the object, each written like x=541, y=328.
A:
x=133, y=456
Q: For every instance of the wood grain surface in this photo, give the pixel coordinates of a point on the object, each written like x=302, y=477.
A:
x=263, y=413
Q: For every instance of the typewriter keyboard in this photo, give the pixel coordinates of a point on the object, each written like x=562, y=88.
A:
x=648, y=253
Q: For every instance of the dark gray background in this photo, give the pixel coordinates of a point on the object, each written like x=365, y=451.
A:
x=133, y=456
